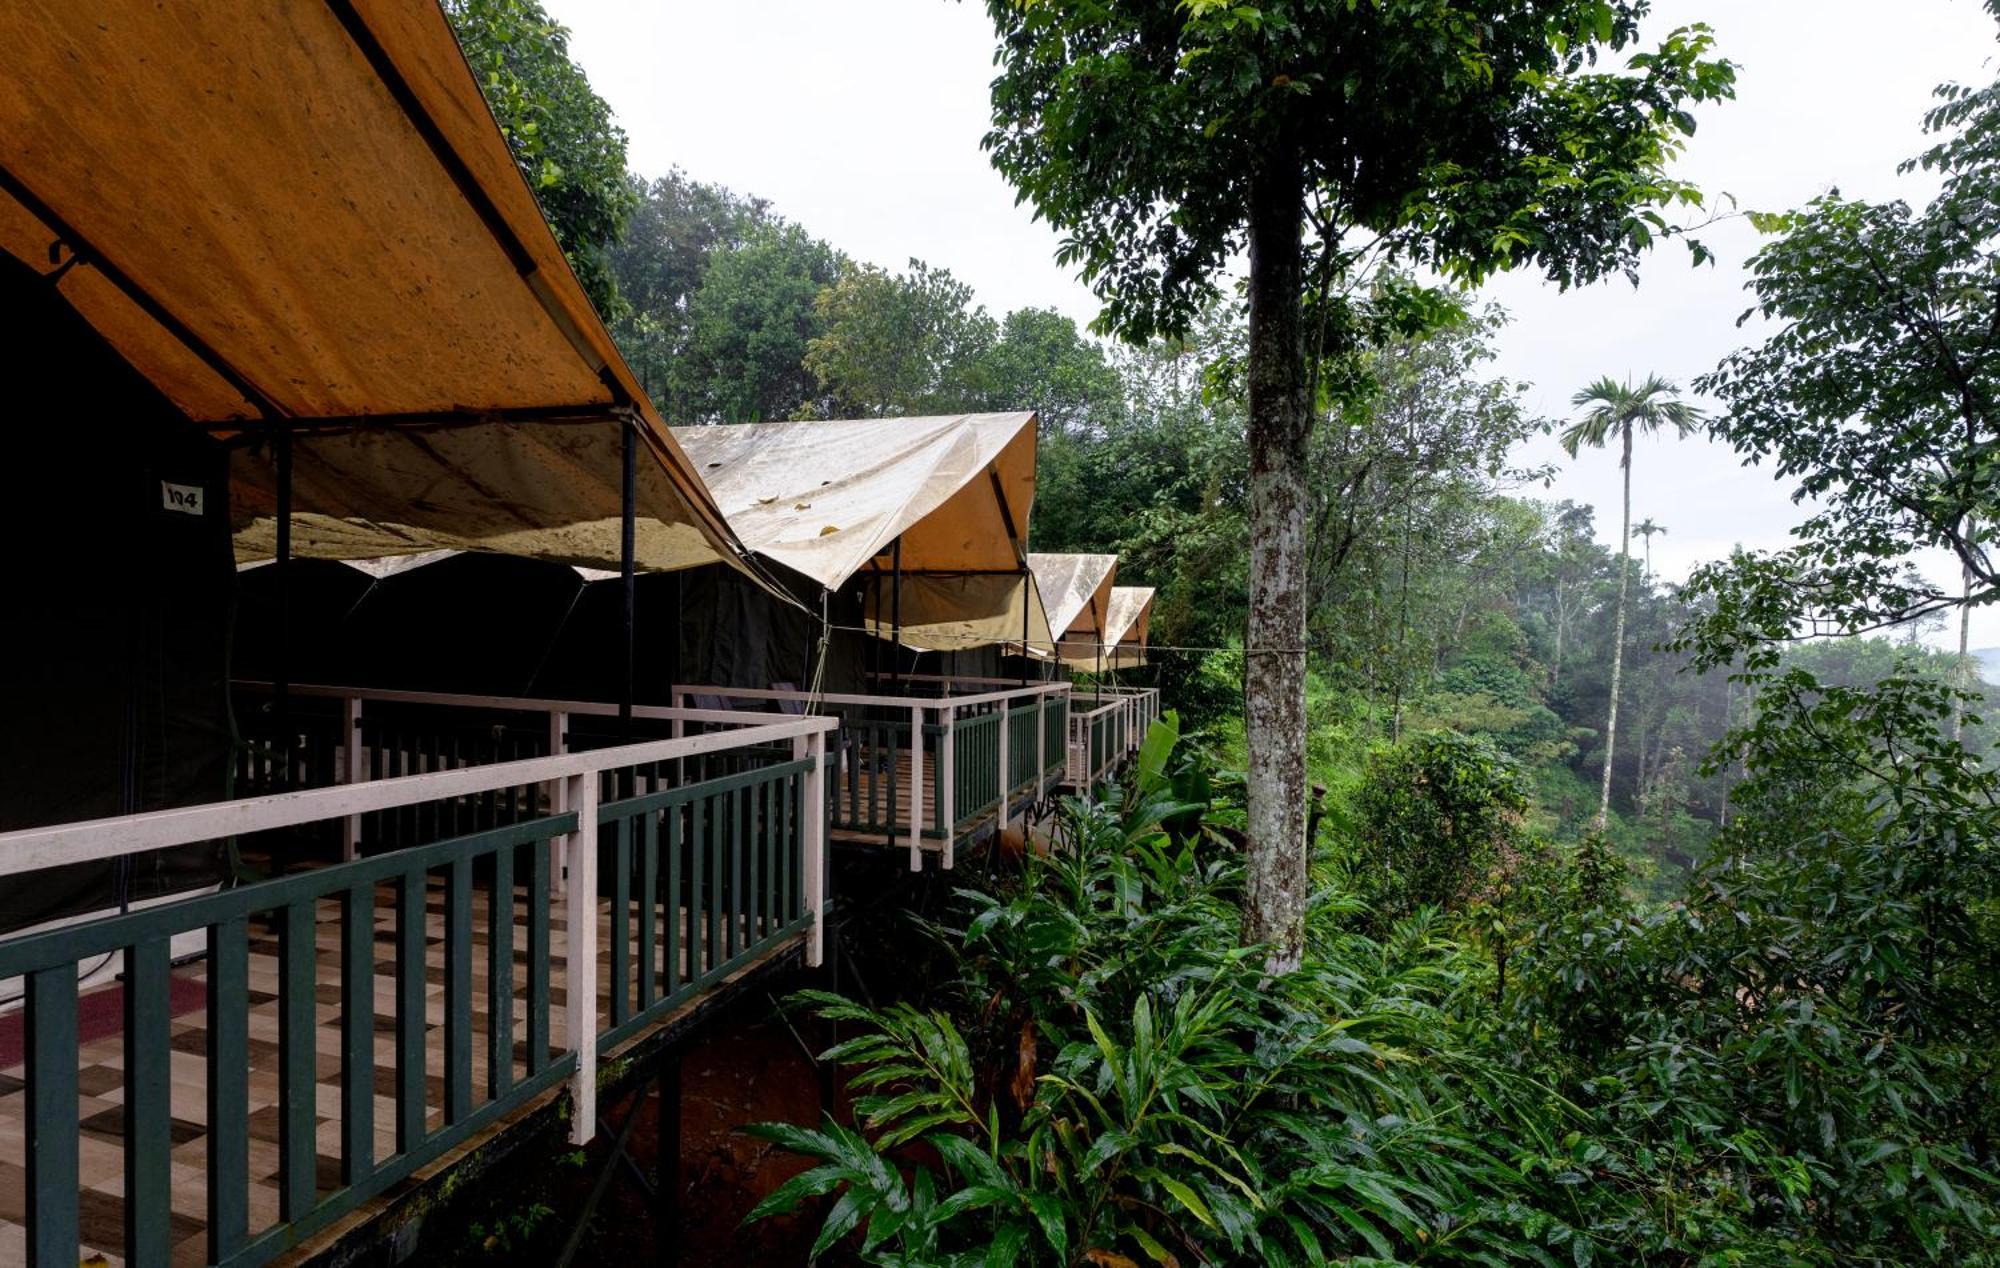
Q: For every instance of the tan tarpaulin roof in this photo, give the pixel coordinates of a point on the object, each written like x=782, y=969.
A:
x=955, y=612
x=1130, y=613
x=303, y=209
x=826, y=498
x=1076, y=590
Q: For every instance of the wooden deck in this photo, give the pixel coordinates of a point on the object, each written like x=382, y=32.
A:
x=101, y=1079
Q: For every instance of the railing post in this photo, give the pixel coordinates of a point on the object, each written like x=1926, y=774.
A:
x=356, y=772
x=1006, y=767
x=676, y=728
x=812, y=832
x=1041, y=744
x=580, y=957
x=948, y=789
x=558, y=729
x=916, y=788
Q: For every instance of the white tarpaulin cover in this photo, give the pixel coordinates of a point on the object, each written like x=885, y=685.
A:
x=1125, y=630
x=826, y=498
x=302, y=210
x=1076, y=592
x=829, y=499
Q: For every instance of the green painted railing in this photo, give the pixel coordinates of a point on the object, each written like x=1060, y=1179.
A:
x=975, y=766
x=702, y=880
x=870, y=794
x=1022, y=719
x=509, y=865
x=1055, y=735
x=703, y=877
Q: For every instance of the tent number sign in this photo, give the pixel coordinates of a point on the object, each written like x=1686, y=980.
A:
x=185, y=498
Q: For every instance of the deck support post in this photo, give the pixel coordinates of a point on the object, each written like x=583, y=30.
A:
x=916, y=788
x=812, y=841
x=354, y=764
x=667, y=1164
x=580, y=958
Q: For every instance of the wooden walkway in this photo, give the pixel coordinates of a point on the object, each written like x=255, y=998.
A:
x=101, y=1080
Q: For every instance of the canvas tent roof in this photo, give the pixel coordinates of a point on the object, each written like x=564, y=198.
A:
x=303, y=210
x=1128, y=614
x=829, y=500
x=1076, y=590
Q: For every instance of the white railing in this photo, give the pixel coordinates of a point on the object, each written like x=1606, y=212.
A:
x=574, y=780
x=934, y=726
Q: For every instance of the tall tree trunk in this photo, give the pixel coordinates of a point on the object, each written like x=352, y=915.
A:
x=1962, y=676
x=1274, y=674
x=1618, y=634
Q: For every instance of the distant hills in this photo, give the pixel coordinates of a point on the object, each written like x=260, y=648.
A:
x=1989, y=663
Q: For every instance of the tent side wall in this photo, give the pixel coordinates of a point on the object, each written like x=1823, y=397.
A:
x=116, y=679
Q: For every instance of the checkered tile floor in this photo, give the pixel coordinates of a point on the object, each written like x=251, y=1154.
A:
x=101, y=1080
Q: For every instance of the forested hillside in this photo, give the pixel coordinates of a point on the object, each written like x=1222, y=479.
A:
x=1681, y=946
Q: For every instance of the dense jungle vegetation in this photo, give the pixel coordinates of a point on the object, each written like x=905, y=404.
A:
x=1742, y=1012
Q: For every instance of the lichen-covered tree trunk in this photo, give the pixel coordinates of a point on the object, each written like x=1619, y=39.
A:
x=1274, y=701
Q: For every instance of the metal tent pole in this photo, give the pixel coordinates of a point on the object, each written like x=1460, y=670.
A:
x=896, y=609
x=627, y=563
x=1027, y=601
x=281, y=674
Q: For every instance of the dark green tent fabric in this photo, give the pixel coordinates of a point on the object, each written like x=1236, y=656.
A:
x=115, y=678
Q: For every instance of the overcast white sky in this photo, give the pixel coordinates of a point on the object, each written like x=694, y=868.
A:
x=861, y=120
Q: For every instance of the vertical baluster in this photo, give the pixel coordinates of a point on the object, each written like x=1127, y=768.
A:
x=718, y=884
x=297, y=1050
x=500, y=976
x=767, y=851
x=51, y=1146
x=410, y=952
x=739, y=811
x=228, y=1087
x=698, y=902
x=620, y=985
x=458, y=990
x=538, y=955
x=787, y=824
x=148, y=1105
x=649, y=898
x=357, y=1033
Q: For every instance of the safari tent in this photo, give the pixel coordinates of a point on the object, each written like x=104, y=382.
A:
x=280, y=293
x=1128, y=616
x=1076, y=591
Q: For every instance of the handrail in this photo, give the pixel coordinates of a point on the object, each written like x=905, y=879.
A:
x=907, y=702
x=28, y=849
x=527, y=704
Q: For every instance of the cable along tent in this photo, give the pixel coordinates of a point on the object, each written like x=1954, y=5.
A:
x=929, y=514
x=282, y=259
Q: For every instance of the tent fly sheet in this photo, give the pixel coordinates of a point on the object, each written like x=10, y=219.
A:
x=1129, y=612
x=298, y=221
x=941, y=502
x=1076, y=592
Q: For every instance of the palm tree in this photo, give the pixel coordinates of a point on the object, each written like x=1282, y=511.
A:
x=1646, y=528
x=1618, y=409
